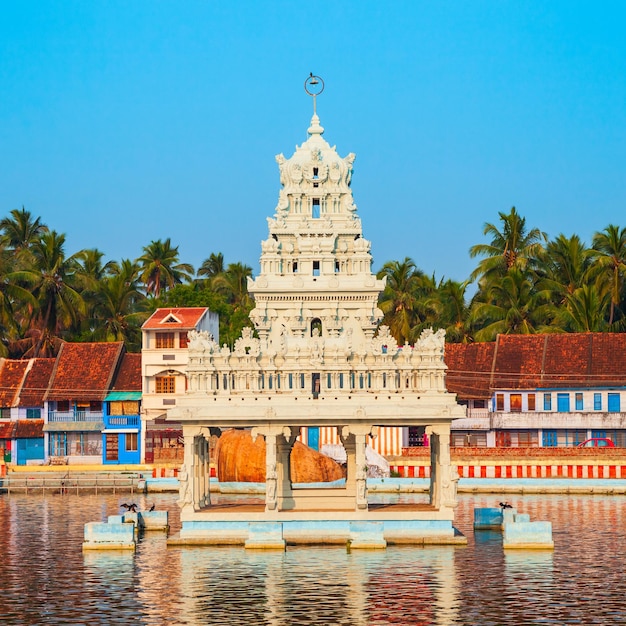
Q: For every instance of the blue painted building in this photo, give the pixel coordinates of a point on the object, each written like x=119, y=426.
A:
x=121, y=436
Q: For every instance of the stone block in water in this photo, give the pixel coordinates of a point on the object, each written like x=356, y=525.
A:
x=488, y=518
x=106, y=536
x=265, y=536
x=522, y=517
x=523, y=535
x=153, y=520
x=367, y=536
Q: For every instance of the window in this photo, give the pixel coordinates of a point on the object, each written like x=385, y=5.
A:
x=547, y=401
x=336, y=267
x=33, y=414
x=578, y=398
x=597, y=401
x=531, y=402
x=315, y=209
x=58, y=444
x=549, y=439
x=516, y=402
x=166, y=384
x=503, y=439
x=316, y=268
x=614, y=404
x=131, y=442
x=183, y=339
x=5, y=413
x=165, y=340
x=562, y=402
x=499, y=402
x=295, y=267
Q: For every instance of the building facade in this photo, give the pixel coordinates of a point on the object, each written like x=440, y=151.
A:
x=540, y=390
x=164, y=357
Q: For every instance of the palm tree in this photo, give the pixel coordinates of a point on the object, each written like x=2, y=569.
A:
x=564, y=267
x=13, y=296
x=585, y=309
x=453, y=311
x=512, y=306
x=399, y=301
x=610, y=253
x=117, y=317
x=21, y=230
x=59, y=306
x=160, y=267
x=212, y=266
x=233, y=283
x=512, y=247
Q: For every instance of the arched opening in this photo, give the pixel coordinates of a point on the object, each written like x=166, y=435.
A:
x=316, y=324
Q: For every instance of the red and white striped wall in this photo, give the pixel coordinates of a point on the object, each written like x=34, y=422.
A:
x=518, y=471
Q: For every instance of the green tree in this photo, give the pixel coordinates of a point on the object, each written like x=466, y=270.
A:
x=514, y=246
x=512, y=306
x=233, y=283
x=117, y=315
x=59, y=305
x=453, y=311
x=610, y=254
x=407, y=300
x=21, y=230
x=212, y=266
x=161, y=269
x=585, y=309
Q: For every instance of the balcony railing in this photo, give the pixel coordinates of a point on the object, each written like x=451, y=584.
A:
x=75, y=416
x=121, y=421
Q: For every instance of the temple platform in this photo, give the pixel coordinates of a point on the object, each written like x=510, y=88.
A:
x=250, y=525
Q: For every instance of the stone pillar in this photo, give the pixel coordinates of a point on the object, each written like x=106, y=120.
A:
x=205, y=499
x=278, y=443
x=357, y=468
x=186, y=476
x=443, y=477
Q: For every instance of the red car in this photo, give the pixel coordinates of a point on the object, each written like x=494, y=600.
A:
x=596, y=442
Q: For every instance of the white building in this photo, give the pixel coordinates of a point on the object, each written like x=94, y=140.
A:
x=164, y=358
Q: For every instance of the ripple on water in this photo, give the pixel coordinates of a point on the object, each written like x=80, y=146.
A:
x=46, y=579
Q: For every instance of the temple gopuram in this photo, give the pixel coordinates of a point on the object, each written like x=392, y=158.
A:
x=316, y=358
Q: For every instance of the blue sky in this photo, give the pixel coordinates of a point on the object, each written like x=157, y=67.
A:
x=125, y=122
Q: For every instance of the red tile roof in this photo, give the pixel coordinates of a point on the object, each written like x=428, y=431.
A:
x=84, y=371
x=22, y=429
x=28, y=429
x=128, y=377
x=6, y=430
x=11, y=377
x=469, y=369
x=185, y=318
x=36, y=382
x=564, y=360
x=518, y=359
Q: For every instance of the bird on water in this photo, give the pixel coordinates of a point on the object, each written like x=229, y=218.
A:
x=131, y=508
x=505, y=505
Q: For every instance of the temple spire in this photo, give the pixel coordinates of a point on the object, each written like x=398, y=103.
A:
x=314, y=85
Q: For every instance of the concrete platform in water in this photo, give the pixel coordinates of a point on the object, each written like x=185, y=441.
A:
x=252, y=526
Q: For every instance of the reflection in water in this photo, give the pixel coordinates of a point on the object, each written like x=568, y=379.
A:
x=46, y=579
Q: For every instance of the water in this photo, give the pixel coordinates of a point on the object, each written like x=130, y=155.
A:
x=46, y=579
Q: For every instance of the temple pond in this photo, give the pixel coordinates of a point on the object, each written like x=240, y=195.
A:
x=46, y=578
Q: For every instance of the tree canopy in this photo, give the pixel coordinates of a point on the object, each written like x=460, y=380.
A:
x=523, y=282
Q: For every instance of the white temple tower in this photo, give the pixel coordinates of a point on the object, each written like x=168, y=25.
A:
x=319, y=360
x=315, y=264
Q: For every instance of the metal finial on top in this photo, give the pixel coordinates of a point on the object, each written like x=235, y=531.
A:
x=314, y=85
